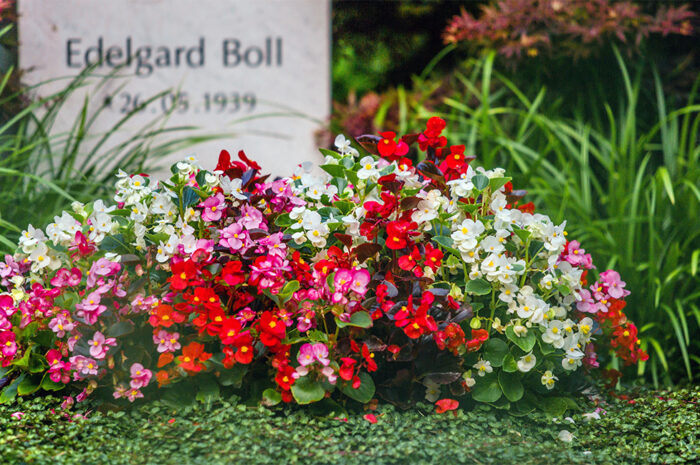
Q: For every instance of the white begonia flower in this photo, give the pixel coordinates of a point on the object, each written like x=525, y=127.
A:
x=138, y=212
x=565, y=436
x=474, y=273
x=520, y=330
x=299, y=237
x=56, y=234
x=570, y=364
x=554, y=334
x=527, y=362
x=98, y=206
x=30, y=238
x=297, y=215
x=482, y=367
x=344, y=147
x=489, y=266
x=491, y=244
x=554, y=238
x=466, y=234
x=470, y=256
x=595, y=415
x=191, y=214
x=585, y=328
x=507, y=293
x=311, y=220
x=137, y=182
x=547, y=281
x=368, y=168
x=318, y=234
x=469, y=381
x=352, y=225
x=316, y=191
x=184, y=228
x=426, y=211
x=432, y=391
x=548, y=379
x=40, y=257
x=68, y=224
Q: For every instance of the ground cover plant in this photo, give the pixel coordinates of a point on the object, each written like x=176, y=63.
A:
x=655, y=428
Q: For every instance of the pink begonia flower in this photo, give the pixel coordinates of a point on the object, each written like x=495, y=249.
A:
x=320, y=352
x=102, y=268
x=143, y=304
x=360, y=279
x=8, y=347
x=306, y=321
x=214, y=207
x=301, y=370
x=586, y=304
x=134, y=394
x=83, y=366
x=99, y=345
x=140, y=376
x=66, y=278
x=167, y=342
x=614, y=284
x=75, y=337
x=82, y=396
x=7, y=305
x=310, y=353
x=61, y=324
x=17, y=415
x=5, y=323
x=233, y=237
x=306, y=355
x=251, y=218
x=273, y=245
x=90, y=308
x=120, y=391
x=342, y=281
x=329, y=373
x=58, y=369
x=67, y=403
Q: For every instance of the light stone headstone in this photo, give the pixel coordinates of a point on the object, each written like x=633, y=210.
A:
x=229, y=64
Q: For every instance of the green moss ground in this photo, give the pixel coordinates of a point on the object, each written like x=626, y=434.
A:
x=652, y=430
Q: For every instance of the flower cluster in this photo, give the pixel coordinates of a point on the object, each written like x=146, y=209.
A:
x=400, y=269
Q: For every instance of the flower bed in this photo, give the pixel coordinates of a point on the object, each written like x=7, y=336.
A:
x=384, y=277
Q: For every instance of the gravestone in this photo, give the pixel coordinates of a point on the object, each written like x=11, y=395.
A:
x=256, y=71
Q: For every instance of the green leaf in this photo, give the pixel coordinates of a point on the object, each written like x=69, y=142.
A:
x=288, y=290
x=478, y=287
x=283, y=220
x=10, y=391
x=189, y=197
x=120, y=329
x=305, y=390
x=495, y=351
x=179, y=394
x=208, y=389
x=114, y=243
x=526, y=343
x=497, y=183
x=233, y=376
x=330, y=153
x=37, y=363
x=480, y=182
x=523, y=234
x=359, y=319
x=553, y=406
x=545, y=348
x=509, y=364
x=24, y=361
x=344, y=206
x=444, y=241
x=487, y=389
x=337, y=171
x=29, y=385
x=511, y=386
x=366, y=391
x=48, y=385
x=271, y=397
